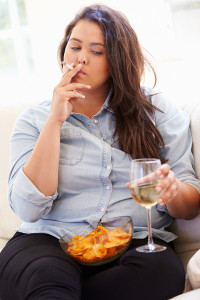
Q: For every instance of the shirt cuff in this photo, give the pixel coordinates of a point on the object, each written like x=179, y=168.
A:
x=162, y=208
x=26, y=190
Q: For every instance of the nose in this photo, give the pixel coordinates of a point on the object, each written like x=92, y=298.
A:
x=83, y=59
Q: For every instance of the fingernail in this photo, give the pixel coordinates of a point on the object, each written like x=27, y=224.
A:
x=158, y=189
x=160, y=202
x=88, y=86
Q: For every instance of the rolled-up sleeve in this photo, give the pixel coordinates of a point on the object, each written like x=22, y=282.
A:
x=24, y=198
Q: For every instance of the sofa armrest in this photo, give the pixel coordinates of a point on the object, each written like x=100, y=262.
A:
x=8, y=219
x=195, y=129
x=188, y=231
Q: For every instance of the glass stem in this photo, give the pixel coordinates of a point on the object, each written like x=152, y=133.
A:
x=150, y=238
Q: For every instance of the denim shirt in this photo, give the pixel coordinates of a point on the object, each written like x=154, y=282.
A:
x=93, y=172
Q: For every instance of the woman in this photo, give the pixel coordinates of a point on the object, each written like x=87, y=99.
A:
x=70, y=160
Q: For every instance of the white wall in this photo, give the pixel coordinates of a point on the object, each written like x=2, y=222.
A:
x=48, y=18
x=177, y=69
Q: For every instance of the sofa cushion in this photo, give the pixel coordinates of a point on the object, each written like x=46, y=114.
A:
x=9, y=220
x=195, y=127
x=193, y=270
x=188, y=232
x=192, y=295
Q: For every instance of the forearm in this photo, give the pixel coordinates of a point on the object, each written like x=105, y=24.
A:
x=186, y=203
x=42, y=166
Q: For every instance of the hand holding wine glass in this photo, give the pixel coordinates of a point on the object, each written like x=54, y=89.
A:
x=143, y=182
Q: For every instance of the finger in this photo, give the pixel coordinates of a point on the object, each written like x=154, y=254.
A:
x=160, y=202
x=166, y=182
x=77, y=86
x=69, y=66
x=168, y=195
x=69, y=74
x=67, y=69
x=163, y=170
x=148, y=179
x=74, y=94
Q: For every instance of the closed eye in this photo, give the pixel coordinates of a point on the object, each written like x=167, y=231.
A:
x=75, y=48
x=97, y=52
x=93, y=51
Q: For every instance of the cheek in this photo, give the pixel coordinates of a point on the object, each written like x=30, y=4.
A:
x=101, y=77
x=103, y=69
x=105, y=73
x=68, y=54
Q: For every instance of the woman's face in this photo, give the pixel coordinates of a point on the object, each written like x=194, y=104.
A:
x=86, y=46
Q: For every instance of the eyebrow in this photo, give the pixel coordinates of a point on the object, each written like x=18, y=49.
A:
x=92, y=44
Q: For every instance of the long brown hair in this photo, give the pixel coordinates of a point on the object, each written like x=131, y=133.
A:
x=135, y=131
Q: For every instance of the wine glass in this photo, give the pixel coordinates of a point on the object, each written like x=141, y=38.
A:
x=142, y=186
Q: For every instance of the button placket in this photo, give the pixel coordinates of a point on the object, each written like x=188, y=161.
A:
x=107, y=185
x=94, y=129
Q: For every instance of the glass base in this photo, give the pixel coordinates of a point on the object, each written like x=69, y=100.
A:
x=151, y=248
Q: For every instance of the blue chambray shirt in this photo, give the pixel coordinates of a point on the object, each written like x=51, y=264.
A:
x=93, y=172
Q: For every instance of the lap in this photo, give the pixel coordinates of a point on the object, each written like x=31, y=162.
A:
x=134, y=272
x=36, y=260
x=138, y=275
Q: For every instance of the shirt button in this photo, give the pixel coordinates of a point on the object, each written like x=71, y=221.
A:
x=96, y=121
x=108, y=167
x=101, y=209
x=102, y=138
x=107, y=187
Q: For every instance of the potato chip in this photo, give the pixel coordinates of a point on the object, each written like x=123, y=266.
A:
x=99, y=244
x=102, y=229
x=99, y=250
x=76, y=238
x=88, y=256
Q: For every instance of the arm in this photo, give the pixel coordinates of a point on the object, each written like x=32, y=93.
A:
x=42, y=166
x=35, y=150
x=180, y=185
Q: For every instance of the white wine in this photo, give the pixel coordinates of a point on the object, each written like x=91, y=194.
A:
x=145, y=195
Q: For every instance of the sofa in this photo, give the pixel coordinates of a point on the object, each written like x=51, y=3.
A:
x=188, y=231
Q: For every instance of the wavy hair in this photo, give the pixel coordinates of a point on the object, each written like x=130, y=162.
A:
x=135, y=132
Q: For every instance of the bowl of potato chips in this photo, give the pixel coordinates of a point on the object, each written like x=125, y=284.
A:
x=102, y=245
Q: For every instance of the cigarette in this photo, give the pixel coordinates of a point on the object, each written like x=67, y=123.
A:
x=67, y=65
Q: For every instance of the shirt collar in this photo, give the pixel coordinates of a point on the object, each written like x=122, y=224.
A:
x=106, y=103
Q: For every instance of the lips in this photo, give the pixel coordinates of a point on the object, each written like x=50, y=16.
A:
x=81, y=72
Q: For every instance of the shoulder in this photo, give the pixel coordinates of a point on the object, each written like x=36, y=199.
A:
x=41, y=108
x=158, y=98
x=34, y=116
x=166, y=105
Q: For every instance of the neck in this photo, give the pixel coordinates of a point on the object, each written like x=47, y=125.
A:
x=92, y=103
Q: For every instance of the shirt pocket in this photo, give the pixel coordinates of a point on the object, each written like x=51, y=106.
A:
x=72, y=146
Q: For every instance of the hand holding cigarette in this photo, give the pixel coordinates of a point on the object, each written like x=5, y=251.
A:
x=66, y=93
